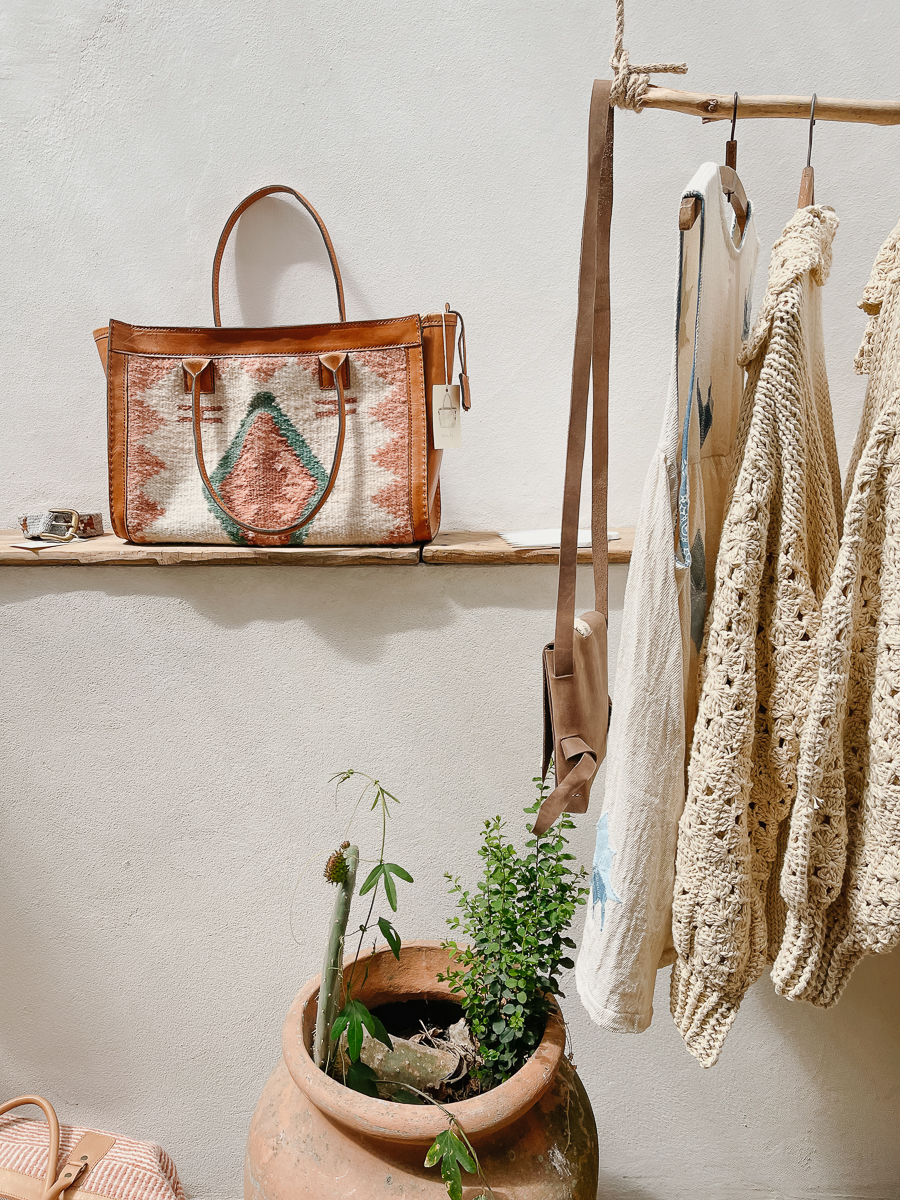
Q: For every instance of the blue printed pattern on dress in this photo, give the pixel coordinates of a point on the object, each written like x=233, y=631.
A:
x=684, y=545
x=698, y=590
x=748, y=304
x=601, y=884
x=704, y=413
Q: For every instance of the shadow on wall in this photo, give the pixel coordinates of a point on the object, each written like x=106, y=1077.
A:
x=355, y=609
x=273, y=238
x=801, y=1106
x=851, y=1049
x=348, y=654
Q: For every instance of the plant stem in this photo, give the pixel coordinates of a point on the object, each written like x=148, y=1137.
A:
x=363, y=929
x=330, y=986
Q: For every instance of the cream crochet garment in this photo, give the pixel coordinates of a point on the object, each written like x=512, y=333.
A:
x=841, y=874
x=778, y=548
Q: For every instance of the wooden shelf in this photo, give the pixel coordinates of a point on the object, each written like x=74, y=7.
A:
x=489, y=549
x=472, y=549
x=112, y=551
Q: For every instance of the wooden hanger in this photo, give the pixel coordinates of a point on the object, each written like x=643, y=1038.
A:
x=731, y=186
x=807, y=179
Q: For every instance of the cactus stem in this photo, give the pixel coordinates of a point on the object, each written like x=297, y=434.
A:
x=331, y=985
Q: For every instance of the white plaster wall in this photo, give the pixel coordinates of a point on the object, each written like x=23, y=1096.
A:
x=169, y=732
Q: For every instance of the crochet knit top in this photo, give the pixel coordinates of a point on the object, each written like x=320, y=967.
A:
x=841, y=874
x=759, y=667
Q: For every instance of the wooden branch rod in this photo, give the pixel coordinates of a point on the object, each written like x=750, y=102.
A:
x=713, y=107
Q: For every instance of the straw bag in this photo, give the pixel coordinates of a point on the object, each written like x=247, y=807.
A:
x=576, y=689
x=43, y=1162
x=315, y=434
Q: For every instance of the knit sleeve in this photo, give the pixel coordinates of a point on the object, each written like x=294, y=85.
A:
x=866, y=920
x=851, y=904
x=841, y=869
x=815, y=856
x=776, y=557
x=712, y=925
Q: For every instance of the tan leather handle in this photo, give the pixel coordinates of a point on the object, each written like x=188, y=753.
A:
x=53, y=1123
x=82, y=1158
x=195, y=368
x=270, y=190
x=590, y=359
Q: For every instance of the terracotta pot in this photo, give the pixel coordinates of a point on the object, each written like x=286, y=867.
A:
x=313, y=1137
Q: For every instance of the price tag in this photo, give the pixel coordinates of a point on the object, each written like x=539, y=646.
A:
x=446, y=426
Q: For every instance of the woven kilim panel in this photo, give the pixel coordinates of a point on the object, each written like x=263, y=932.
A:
x=269, y=432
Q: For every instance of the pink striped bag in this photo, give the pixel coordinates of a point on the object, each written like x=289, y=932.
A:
x=78, y=1164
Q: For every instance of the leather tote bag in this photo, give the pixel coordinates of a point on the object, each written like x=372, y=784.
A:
x=576, y=688
x=303, y=434
x=44, y=1161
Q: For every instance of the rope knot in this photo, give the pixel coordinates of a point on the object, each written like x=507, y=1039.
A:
x=631, y=83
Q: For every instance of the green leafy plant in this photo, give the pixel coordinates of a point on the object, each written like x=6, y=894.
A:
x=453, y=1150
x=354, y=1017
x=449, y=1149
x=515, y=923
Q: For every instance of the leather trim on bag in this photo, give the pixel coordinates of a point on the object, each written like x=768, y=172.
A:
x=92, y=1147
x=418, y=446
x=16, y=1186
x=286, y=340
x=117, y=438
x=326, y=379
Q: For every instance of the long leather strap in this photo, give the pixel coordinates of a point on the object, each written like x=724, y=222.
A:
x=195, y=368
x=270, y=190
x=591, y=357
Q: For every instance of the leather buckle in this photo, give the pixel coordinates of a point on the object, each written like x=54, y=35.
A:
x=70, y=522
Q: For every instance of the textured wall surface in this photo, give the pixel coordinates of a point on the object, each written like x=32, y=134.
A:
x=169, y=732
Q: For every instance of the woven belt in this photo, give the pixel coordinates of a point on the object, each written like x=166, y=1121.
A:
x=61, y=525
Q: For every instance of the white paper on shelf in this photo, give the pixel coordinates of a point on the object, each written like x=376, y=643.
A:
x=540, y=539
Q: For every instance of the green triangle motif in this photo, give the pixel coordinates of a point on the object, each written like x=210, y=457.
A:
x=265, y=402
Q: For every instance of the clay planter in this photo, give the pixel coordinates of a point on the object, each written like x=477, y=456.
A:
x=313, y=1137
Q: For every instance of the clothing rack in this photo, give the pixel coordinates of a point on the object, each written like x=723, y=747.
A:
x=631, y=88
x=711, y=106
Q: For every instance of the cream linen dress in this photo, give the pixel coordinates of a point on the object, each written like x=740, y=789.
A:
x=627, y=935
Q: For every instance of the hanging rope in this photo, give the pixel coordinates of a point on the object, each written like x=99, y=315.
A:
x=631, y=83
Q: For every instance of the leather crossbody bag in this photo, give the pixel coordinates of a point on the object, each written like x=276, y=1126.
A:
x=576, y=688
x=56, y=1162
x=316, y=434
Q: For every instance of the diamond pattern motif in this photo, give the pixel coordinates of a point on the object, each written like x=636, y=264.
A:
x=268, y=476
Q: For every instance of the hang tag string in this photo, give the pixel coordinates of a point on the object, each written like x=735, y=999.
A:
x=444, y=344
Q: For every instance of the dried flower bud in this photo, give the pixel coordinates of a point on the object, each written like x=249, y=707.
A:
x=336, y=870
x=345, y=845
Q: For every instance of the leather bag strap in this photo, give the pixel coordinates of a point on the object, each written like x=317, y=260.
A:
x=195, y=368
x=53, y=1123
x=270, y=190
x=591, y=358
